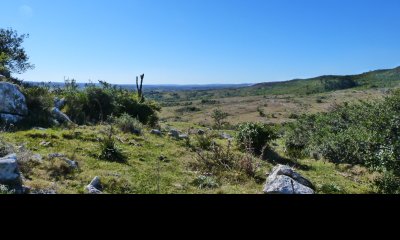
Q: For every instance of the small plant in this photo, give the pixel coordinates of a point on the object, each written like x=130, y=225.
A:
x=128, y=124
x=218, y=159
x=205, y=182
x=261, y=112
x=219, y=118
x=109, y=150
x=204, y=141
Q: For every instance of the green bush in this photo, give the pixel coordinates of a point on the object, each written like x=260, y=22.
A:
x=255, y=136
x=128, y=124
x=95, y=103
x=366, y=133
x=40, y=101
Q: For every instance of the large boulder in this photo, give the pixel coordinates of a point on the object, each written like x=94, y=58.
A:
x=284, y=180
x=13, y=103
x=9, y=171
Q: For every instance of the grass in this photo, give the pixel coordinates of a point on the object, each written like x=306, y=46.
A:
x=143, y=172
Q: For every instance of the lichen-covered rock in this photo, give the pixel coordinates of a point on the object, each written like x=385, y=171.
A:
x=13, y=103
x=284, y=180
x=285, y=185
x=60, y=116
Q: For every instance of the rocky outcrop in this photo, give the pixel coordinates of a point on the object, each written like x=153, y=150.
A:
x=13, y=103
x=94, y=186
x=284, y=180
x=59, y=103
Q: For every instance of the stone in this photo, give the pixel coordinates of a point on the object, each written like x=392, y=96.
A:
x=13, y=102
x=183, y=136
x=39, y=128
x=94, y=186
x=226, y=136
x=45, y=144
x=60, y=116
x=137, y=132
x=284, y=180
x=285, y=185
x=156, y=132
x=287, y=171
x=72, y=164
x=174, y=133
x=37, y=158
x=56, y=155
x=9, y=171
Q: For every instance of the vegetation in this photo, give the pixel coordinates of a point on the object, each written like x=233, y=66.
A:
x=365, y=133
x=219, y=118
x=255, y=136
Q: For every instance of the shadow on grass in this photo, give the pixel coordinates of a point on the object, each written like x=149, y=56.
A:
x=273, y=157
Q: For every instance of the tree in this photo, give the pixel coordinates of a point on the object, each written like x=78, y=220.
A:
x=13, y=58
x=219, y=116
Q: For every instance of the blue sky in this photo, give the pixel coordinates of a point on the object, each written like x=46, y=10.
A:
x=204, y=41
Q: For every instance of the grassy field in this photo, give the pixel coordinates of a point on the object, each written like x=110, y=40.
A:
x=276, y=108
x=144, y=173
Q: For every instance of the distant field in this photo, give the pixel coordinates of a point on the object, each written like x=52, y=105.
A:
x=277, y=108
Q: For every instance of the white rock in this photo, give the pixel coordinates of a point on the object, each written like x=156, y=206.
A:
x=60, y=116
x=12, y=101
x=285, y=185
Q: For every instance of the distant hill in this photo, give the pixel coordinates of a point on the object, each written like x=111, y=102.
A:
x=375, y=79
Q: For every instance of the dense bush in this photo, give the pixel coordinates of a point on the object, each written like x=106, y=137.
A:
x=366, y=133
x=40, y=101
x=255, y=136
x=95, y=103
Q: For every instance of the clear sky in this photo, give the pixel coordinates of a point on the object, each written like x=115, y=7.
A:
x=204, y=41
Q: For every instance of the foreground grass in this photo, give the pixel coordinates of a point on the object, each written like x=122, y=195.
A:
x=145, y=173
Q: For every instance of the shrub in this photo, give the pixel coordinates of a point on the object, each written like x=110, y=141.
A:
x=365, y=133
x=255, y=136
x=218, y=159
x=219, y=118
x=109, y=150
x=128, y=124
x=40, y=101
x=95, y=103
x=4, y=190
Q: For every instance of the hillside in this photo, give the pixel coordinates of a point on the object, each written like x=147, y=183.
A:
x=378, y=79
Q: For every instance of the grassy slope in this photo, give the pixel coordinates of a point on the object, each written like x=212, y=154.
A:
x=140, y=173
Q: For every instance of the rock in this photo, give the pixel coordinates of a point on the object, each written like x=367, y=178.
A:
x=45, y=191
x=60, y=116
x=13, y=103
x=284, y=180
x=94, y=186
x=137, y=132
x=45, y=144
x=37, y=158
x=9, y=118
x=156, y=132
x=287, y=171
x=9, y=171
x=226, y=136
x=56, y=155
x=285, y=185
x=59, y=103
x=72, y=164
x=201, y=132
x=183, y=136
x=174, y=133
x=39, y=128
